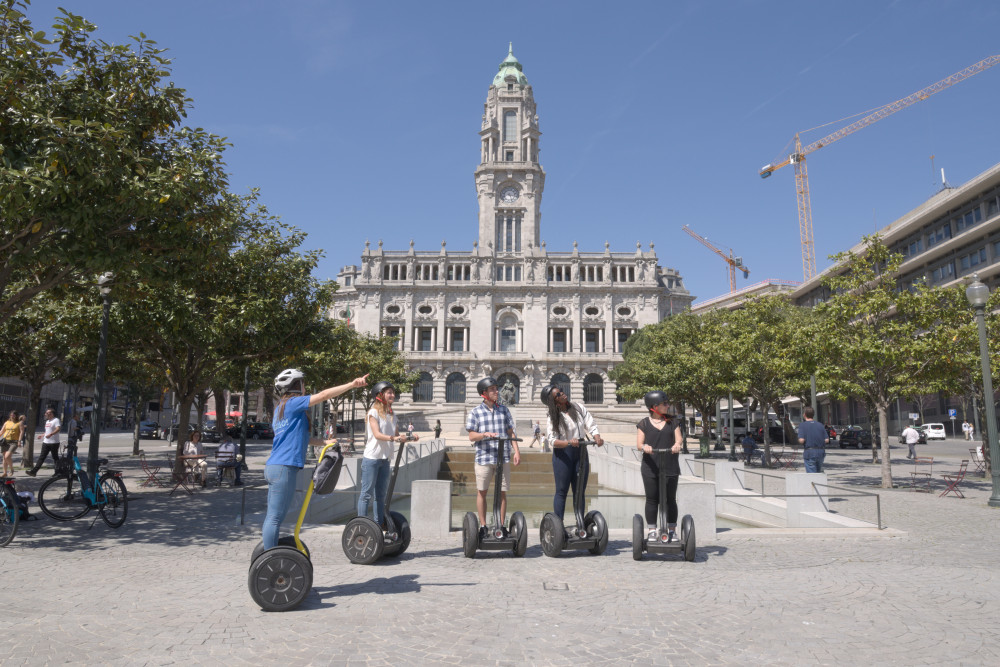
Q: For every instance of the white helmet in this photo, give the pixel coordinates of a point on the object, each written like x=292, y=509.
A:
x=286, y=378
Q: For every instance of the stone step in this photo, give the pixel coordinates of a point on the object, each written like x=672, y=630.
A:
x=535, y=469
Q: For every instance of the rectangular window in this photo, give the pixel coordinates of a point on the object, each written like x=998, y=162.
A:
x=559, y=340
x=622, y=337
x=393, y=332
x=457, y=340
x=508, y=156
x=938, y=235
x=591, y=338
x=347, y=281
x=425, y=340
x=915, y=247
x=510, y=127
x=508, y=340
x=992, y=207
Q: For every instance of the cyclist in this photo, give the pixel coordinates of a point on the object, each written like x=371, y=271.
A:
x=291, y=437
x=380, y=432
x=567, y=423
x=10, y=436
x=660, y=430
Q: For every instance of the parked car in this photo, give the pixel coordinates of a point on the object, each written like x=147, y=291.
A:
x=933, y=431
x=776, y=434
x=149, y=429
x=739, y=428
x=209, y=433
x=255, y=430
x=858, y=437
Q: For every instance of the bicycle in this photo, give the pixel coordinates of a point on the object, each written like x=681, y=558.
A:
x=10, y=513
x=108, y=494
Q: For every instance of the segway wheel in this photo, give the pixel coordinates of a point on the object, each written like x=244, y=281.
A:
x=688, y=537
x=280, y=578
x=552, y=535
x=283, y=541
x=638, y=543
x=403, y=528
x=519, y=527
x=597, y=527
x=363, y=541
x=470, y=534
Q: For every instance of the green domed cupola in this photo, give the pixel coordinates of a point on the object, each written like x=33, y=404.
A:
x=510, y=67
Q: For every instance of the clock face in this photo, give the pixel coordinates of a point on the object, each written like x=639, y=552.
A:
x=508, y=195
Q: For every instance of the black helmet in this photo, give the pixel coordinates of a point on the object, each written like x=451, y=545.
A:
x=382, y=386
x=546, y=393
x=485, y=384
x=654, y=397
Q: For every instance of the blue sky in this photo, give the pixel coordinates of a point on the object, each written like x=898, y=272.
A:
x=359, y=120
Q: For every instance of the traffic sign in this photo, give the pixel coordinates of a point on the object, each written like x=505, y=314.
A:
x=952, y=413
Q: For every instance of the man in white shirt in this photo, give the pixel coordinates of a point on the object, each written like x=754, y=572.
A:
x=227, y=458
x=50, y=442
x=911, y=437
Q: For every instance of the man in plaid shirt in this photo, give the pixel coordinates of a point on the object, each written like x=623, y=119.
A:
x=485, y=423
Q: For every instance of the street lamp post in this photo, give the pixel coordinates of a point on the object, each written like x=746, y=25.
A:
x=104, y=282
x=251, y=330
x=977, y=293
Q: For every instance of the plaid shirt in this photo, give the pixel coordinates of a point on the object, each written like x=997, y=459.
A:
x=484, y=420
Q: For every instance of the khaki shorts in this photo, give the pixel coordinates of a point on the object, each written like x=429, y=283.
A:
x=486, y=473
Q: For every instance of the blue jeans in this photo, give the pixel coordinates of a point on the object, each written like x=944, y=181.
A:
x=374, y=484
x=280, y=493
x=813, y=458
x=565, y=463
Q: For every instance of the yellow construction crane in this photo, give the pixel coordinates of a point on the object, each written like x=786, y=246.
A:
x=733, y=262
x=799, y=153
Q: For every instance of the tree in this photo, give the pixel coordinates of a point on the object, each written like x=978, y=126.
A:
x=96, y=170
x=877, y=340
x=686, y=355
x=46, y=340
x=767, y=336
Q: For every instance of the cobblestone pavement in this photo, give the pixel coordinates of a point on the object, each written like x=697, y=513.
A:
x=171, y=587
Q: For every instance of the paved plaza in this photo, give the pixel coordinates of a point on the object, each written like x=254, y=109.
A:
x=170, y=587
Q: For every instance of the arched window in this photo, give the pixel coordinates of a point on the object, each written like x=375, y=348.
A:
x=454, y=388
x=593, y=388
x=423, y=389
x=561, y=380
x=510, y=389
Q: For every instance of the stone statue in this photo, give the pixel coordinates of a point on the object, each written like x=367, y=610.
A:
x=507, y=393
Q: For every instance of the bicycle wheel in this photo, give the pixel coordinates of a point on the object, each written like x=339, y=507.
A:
x=10, y=515
x=60, y=500
x=113, y=500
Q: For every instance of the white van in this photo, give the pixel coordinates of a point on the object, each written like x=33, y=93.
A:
x=933, y=431
x=739, y=428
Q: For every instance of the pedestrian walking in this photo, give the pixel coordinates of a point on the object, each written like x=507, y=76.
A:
x=911, y=437
x=972, y=431
x=537, y=431
x=10, y=436
x=50, y=442
x=437, y=429
x=813, y=437
x=965, y=430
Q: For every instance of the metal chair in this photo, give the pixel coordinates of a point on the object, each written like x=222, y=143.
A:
x=954, y=480
x=978, y=459
x=921, y=479
x=150, y=470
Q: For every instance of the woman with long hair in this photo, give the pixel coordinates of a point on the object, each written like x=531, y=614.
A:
x=566, y=425
x=381, y=430
x=291, y=437
x=661, y=430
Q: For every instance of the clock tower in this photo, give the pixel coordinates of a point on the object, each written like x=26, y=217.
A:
x=509, y=179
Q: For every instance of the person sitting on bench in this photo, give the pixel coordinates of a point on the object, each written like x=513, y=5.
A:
x=228, y=456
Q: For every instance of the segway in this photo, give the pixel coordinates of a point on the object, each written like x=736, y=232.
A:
x=281, y=577
x=661, y=544
x=365, y=541
x=590, y=531
x=497, y=538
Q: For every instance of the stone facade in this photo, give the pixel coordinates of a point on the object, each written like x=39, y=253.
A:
x=509, y=307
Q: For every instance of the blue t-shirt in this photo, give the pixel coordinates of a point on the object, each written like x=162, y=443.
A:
x=291, y=434
x=814, y=434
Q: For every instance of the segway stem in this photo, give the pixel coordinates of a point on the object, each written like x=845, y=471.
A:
x=583, y=472
x=661, y=461
x=498, y=481
x=389, y=523
x=305, y=504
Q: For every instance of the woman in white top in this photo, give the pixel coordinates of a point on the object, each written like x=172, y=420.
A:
x=380, y=432
x=193, y=447
x=567, y=425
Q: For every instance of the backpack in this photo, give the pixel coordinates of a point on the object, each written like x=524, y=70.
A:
x=23, y=498
x=328, y=471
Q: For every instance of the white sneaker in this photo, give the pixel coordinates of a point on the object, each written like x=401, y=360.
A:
x=653, y=535
x=672, y=536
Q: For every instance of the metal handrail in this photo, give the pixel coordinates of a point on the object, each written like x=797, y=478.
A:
x=853, y=492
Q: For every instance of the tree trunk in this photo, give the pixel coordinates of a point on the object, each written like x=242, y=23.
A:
x=883, y=427
x=30, y=424
x=183, y=419
x=220, y=410
x=136, y=415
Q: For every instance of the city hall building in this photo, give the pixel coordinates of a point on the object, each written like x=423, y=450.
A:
x=508, y=307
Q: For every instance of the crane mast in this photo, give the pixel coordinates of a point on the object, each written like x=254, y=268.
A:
x=730, y=259
x=798, y=156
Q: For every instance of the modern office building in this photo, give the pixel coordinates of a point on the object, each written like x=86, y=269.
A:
x=508, y=307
